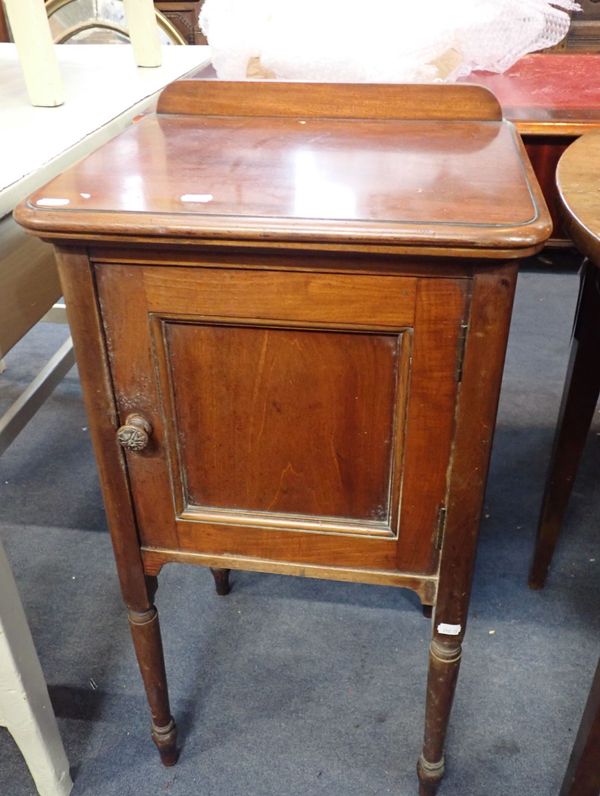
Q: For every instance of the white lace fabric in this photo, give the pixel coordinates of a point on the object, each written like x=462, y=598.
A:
x=380, y=40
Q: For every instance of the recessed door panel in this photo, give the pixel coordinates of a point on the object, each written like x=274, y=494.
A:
x=288, y=422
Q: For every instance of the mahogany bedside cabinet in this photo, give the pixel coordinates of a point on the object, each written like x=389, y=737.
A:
x=290, y=305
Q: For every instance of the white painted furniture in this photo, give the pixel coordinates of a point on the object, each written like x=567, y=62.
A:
x=25, y=708
x=103, y=93
x=31, y=34
x=143, y=32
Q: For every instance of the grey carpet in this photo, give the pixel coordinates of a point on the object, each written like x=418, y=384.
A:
x=304, y=687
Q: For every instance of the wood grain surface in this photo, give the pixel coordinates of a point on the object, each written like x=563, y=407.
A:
x=458, y=182
x=329, y=100
x=579, y=186
x=287, y=421
x=578, y=179
x=211, y=359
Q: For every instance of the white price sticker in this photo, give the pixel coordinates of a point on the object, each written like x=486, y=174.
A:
x=449, y=630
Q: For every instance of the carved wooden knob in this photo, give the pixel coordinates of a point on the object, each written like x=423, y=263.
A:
x=135, y=434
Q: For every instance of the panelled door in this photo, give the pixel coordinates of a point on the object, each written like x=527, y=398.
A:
x=295, y=416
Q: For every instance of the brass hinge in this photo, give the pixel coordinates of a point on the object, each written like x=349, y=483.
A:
x=460, y=357
x=440, y=528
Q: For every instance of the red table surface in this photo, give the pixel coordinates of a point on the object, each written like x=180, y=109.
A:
x=552, y=99
x=548, y=89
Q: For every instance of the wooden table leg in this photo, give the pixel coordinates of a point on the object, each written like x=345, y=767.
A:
x=482, y=373
x=221, y=577
x=583, y=772
x=580, y=397
x=137, y=586
x=444, y=663
x=145, y=631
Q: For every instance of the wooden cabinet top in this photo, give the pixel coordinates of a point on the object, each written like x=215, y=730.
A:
x=307, y=164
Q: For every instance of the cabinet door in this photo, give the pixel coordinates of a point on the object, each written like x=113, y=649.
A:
x=296, y=417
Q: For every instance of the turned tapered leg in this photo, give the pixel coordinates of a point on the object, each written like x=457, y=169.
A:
x=145, y=630
x=444, y=663
x=580, y=396
x=485, y=345
x=78, y=283
x=221, y=577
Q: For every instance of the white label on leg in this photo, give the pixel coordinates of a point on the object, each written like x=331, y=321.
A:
x=449, y=630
